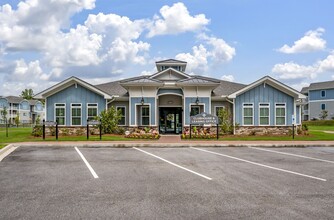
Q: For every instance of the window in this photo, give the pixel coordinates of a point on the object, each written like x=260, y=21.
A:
x=323, y=93
x=323, y=106
x=91, y=111
x=75, y=114
x=280, y=114
x=264, y=113
x=248, y=113
x=121, y=109
x=145, y=115
x=194, y=110
x=60, y=113
x=218, y=109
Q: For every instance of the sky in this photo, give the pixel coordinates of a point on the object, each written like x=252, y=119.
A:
x=43, y=42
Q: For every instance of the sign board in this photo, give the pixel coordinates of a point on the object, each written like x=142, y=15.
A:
x=293, y=120
x=204, y=118
x=50, y=123
x=94, y=122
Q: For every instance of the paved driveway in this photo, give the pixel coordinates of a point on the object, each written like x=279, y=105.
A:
x=167, y=183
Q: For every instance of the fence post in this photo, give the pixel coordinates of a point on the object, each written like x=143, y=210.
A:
x=217, y=132
x=43, y=129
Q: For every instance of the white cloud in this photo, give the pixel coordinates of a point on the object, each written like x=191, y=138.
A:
x=229, y=78
x=311, y=41
x=327, y=64
x=197, y=61
x=221, y=51
x=176, y=19
x=291, y=70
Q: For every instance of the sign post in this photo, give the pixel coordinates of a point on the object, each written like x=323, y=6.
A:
x=202, y=119
x=293, y=127
x=94, y=122
x=50, y=123
x=6, y=127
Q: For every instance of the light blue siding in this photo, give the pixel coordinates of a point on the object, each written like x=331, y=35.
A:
x=316, y=94
x=297, y=115
x=264, y=94
x=74, y=95
x=191, y=100
x=136, y=101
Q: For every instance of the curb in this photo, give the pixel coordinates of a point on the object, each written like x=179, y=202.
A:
x=6, y=151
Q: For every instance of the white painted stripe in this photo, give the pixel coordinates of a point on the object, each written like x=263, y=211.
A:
x=181, y=167
x=7, y=152
x=259, y=164
x=295, y=155
x=87, y=164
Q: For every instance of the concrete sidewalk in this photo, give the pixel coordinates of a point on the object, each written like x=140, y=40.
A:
x=177, y=143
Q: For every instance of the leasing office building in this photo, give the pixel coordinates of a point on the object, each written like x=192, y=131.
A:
x=168, y=98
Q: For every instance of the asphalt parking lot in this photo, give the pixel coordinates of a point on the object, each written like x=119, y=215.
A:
x=167, y=183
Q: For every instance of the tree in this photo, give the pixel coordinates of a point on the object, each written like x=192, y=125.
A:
x=4, y=113
x=225, y=120
x=27, y=94
x=323, y=114
x=109, y=119
x=17, y=120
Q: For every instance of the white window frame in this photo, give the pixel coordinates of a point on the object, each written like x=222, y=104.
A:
x=71, y=117
x=195, y=106
x=88, y=107
x=323, y=96
x=141, y=115
x=63, y=105
x=247, y=105
x=264, y=105
x=280, y=105
x=122, y=106
x=218, y=106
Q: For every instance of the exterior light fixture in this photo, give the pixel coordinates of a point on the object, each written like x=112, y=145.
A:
x=197, y=101
x=142, y=101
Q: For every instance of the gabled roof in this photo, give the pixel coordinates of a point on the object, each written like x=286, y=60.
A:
x=68, y=82
x=14, y=99
x=113, y=89
x=141, y=80
x=304, y=90
x=272, y=82
x=198, y=81
x=322, y=85
x=226, y=87
x=170, y=61
x=169, y=70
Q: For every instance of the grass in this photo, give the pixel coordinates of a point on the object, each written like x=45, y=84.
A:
x=24, y=135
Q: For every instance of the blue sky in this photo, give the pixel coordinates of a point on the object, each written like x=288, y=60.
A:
x=43, y=42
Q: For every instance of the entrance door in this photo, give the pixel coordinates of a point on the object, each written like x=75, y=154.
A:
x=170, y=120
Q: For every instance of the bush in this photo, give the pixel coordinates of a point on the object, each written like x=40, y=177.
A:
x=37, y=131
x=109, y=119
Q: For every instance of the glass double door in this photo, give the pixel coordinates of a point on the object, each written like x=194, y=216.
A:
x=170, y=120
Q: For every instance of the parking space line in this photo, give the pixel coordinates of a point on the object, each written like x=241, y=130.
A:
x=259, y=164
x=295, y=155
x=167, y=161
x=87, y=164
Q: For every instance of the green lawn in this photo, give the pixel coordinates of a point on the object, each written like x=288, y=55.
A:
x=24, y=135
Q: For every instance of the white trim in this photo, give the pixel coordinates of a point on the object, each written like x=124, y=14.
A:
x=149, y=115
x=169, y=94
x=259, y=112
x=322, y=100
x=76, y=116
x=285, y=119
x=54, y=112
x=218, y=106
x=194, y=104
x=65, y=84
x=122, y=106
x=233, y=116
x=97, y=109
x=272, y=82
x=251, y=105
x=136, y=119
x=165, y=70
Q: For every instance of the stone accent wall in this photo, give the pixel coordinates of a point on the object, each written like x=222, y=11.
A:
x=71, y=131
x=264, y=130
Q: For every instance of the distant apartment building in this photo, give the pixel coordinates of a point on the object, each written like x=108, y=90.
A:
x=27, y=110
x=320, y=96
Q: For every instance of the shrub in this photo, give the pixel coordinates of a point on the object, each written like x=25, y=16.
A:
x=109, y=119
x=37, y=131
x=304, y=127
